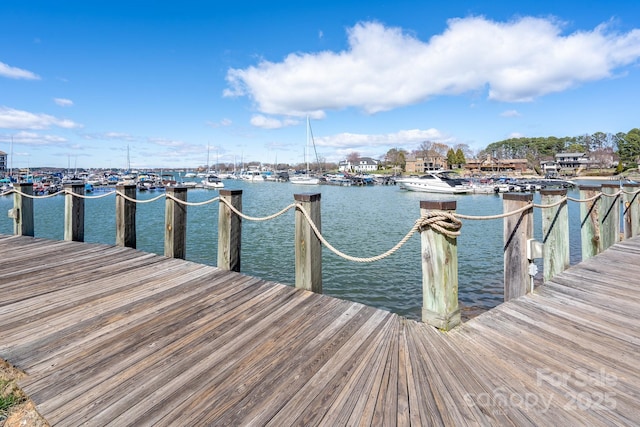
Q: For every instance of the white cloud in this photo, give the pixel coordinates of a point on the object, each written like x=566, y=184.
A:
x=116, y=136
x=513, y=135
x=16, y=73
x=510, y=113
x=263, y=122
x=404, y=139
x=32, y=138
x=63, y=102
x=386, y=68
x=222, y=123
x=167, y=142
x=17, y=119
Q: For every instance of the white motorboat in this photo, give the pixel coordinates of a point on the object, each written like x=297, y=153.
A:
x=212, y=181
x=303, y=178
x=436, y=182
x=252, y=176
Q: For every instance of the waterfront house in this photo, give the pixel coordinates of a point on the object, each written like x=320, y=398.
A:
x=421, y=164
x=572, y=160
x=362, y=165
x=493, y=164
x=575, y=162
x=3, y=162
x=550, y=168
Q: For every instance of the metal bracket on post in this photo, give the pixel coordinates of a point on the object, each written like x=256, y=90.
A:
x=535, y=250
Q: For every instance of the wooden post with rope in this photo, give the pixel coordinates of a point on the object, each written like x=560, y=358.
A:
x=229, y=230
x=175, y=220
x=126, y=216
x=555, y=233
x=518, y=229
x=308, y=249
x=22, y=212
x=74, y=212
x=591, y=242
x=439, y=254
x=610, y=219
x=631, y=200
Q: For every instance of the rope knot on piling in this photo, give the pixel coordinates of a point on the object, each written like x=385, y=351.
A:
x=441, y=221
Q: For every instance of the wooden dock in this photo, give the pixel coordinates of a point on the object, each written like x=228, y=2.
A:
x=113, y=336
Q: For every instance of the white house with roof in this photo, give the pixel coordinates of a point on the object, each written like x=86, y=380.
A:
x=572, y=160
x=363, y=164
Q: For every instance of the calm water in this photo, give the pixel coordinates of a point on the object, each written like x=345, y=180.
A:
x=360, y=221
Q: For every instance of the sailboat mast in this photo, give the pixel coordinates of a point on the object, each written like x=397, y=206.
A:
x=306, y=159
x=208, y=167
x=11, y=160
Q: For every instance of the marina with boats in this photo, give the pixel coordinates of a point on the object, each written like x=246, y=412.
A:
x=437, y=181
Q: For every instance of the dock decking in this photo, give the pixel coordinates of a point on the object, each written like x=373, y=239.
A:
x=113, y=336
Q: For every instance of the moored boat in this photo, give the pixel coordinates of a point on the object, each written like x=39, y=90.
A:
x=436, y=182
x=212, y=181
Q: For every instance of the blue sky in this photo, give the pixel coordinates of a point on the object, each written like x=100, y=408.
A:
x=80, y=81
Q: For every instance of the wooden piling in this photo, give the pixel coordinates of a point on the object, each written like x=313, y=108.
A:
x=175, y=218
x=439, y=254
x=22, y=212
x=555, y=233
x=610, y=219
x=229, y=230
x=74, y=212
x=591, y=243
x=126, y=216
x=517, y=230
x=631, y=200
x=308, y=249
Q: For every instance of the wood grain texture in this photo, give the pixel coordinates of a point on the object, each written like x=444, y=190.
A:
x=555, y=233
x=517, y=230
x=74, y=212
x=113, y=336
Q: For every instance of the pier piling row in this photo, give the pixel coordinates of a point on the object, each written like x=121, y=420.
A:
x=600, y=219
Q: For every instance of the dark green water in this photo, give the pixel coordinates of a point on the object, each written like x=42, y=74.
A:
x=360, y=221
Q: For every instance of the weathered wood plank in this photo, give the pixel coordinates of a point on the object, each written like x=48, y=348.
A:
x=124, y=338
x=230, y=230
x=242, y=386
x=439, y=255
x=175, y=223
x=555, y=233
x=186, y=354
x=518, y=229
x=74, y=212
x=590, y=213
x=308, y=250
x=22, y=212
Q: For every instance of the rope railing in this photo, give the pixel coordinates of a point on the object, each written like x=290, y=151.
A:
x=84, y=196
x=449, y=224
x=442, y=221
x=251, y=218
x=184, y=202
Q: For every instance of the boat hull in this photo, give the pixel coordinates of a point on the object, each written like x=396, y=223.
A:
x=304, y=181
x=428, y=188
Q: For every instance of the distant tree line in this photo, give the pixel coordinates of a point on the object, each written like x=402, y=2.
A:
x=600, y=145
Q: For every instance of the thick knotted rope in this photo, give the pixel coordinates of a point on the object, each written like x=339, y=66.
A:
x=441, y=221
x=444, y=222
